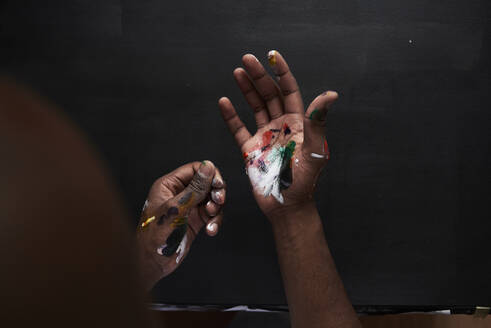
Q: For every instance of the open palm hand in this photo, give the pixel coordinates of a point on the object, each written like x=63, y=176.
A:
x=286, y=154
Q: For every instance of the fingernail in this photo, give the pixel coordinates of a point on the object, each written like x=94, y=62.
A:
x=211, y=208
x=272, y=58
x=212, y=228
x=206, y=169
x=254, y=57
x=217, y=182
x=216, y=196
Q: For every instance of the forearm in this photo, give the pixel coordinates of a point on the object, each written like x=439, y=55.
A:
x=315, y=293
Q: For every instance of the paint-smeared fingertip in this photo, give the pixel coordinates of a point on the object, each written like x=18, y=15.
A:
x=272, y=57
x=206, y=169
x=217, y=183
x=332, y=95
x=212, y=208
x=212, y=229
x=207, y=162
x=217, y=196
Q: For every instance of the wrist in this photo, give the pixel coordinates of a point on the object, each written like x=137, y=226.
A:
x=295, y=224
x=150, y=271
x=287, y=213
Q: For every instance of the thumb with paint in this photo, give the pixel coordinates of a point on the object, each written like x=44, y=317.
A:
x=199, y=187
x=315, y=143
x=206, y=191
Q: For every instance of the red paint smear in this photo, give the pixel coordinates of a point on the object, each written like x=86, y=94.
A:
x=285, y=126
x=245, y=155
x=267, y=136
x=325, y=147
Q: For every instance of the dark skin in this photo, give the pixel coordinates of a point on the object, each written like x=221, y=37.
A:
x=315, y=293
x=69, y=255
x=275, y=104
x=66, y=233
x=194, y=192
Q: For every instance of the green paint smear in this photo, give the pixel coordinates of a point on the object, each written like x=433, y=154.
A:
x=286, y=171
x=288, y=152
x=283, y=153
x=316, y=115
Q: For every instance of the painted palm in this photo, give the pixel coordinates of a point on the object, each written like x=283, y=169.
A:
x=284, y=157
x=270, y=159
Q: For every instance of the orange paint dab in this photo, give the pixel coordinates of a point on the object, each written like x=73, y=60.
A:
x=245, y=155
x=267, y=136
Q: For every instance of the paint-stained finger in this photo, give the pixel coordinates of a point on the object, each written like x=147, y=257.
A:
x=214, y=225
x=218, y=196
x=175, y=181
x=211, y=209
x=206, y=213
x=197, y=189
x=265, y=85
x=252, y=96
x=235, y=125
x=315, y=143
x=218, y=181
x=317, y=110
x=287, y=83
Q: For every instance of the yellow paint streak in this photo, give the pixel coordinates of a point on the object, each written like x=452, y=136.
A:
x=186, y=205
x=272, y=58
x=147, y=221
x=178, y=221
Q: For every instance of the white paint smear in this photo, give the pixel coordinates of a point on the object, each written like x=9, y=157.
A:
x=182, y=248
x=267, y=183
x=314, y=155
x=161, y=248
x=145, y=205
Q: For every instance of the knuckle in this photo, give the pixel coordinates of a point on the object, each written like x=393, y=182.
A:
x=270, y=95
x=288, y=92
x=170, y=182
x=198, y=185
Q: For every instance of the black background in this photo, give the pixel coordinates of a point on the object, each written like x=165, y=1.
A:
x=406, y=198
